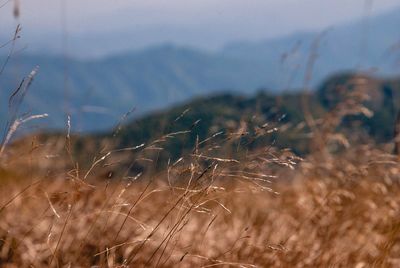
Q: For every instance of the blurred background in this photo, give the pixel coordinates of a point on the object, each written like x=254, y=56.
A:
x=99, y=59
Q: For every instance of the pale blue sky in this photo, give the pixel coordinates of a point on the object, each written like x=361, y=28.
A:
x=220, y=21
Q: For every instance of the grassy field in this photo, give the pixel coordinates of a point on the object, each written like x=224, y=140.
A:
x=336, y=212
x=263, y=208
x=222, y=203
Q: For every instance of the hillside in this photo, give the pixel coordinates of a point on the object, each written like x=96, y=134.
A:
x=347, y=109
x=226, y=112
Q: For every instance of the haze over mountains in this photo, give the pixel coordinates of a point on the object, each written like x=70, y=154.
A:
x=98, y=91
x=96, y=28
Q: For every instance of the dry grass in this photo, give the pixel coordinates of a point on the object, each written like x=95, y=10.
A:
x=339, y=207
x=340, y=211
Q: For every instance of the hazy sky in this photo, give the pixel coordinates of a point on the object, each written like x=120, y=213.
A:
x=226, y=19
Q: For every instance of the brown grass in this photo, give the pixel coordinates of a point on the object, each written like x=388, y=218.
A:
x=215, y=206
x=342, y=211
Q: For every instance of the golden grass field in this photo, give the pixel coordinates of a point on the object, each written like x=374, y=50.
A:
x=220, y=205
x=269, y=209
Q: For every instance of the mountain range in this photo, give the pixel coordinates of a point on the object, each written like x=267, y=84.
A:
x=97, y=92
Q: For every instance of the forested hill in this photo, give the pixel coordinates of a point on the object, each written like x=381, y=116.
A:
x=276, y=119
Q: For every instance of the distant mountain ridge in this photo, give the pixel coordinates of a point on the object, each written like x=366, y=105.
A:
x=363, y=44
x=148, y=80
x=98, y=92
